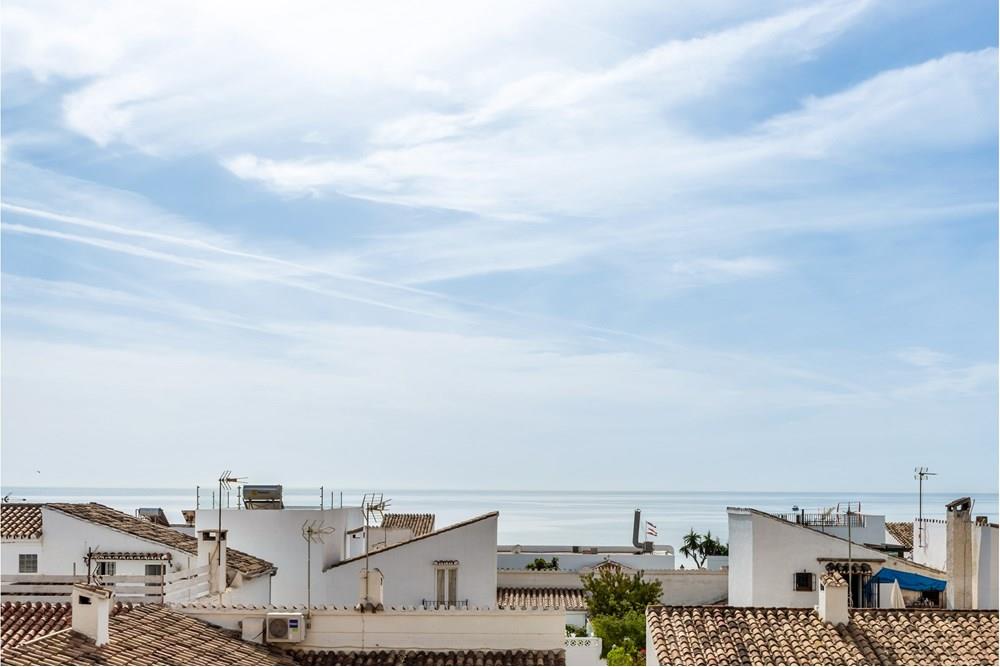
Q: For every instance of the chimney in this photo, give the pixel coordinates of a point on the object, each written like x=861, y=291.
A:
x=91, y=611
x=959, y=566
x=832, y=607
x=212, y=552
x=370, y=598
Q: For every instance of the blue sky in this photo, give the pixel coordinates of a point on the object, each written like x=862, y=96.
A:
x=678, y=246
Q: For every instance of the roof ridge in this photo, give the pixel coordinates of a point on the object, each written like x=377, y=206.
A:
x=417, y=538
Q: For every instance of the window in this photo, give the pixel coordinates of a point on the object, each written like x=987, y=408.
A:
x=155, y=570
x=27, y=563
x=446, y=578
x=805, y=581
x=105, y=569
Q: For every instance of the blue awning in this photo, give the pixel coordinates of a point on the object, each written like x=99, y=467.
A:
x=908, y=581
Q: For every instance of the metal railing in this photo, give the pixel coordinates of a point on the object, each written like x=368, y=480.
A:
x=454, y=604
x=830, y=520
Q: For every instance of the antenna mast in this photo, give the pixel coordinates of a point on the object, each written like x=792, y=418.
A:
x=373, y=505
x=920, y=474
x=312, y=531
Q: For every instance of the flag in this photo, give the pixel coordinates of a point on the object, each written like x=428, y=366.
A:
x=651, y=529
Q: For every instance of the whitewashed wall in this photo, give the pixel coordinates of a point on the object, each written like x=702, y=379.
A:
x=764, y=554
x=408, y=569
x=575, y=562
x=342, y=629
x=934, y=553
x=680, y=587
x=276, y=536
x=984, y=547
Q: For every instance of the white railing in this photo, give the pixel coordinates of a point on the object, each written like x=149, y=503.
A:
x=172, y=587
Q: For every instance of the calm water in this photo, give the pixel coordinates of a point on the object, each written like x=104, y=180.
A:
x=550, y=517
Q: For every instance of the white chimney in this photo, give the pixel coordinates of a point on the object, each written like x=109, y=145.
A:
x=212, y=552
x=91, y=611
x=370, y=598
x=959, y=567
x=832, y=607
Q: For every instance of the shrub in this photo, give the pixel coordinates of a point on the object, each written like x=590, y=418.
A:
x=626, y=632
x=542, y=564
x=626, y=655
x=575, y=631
x=613, y=593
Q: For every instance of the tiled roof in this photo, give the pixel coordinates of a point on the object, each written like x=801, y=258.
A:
x=453, y=526
x=420, y=524
x=782, y=636
x=902, y=531
x=147, y=635
x=20, y=521
x=571, y=599
x=130, y=555
x=250, y=566
x=24, y=621
x=417, y=657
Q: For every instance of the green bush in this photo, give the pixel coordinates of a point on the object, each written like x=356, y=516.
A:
x=626, y=632
x=542, y=564
x=575, y=631
x=613, y=593
x=626, y=655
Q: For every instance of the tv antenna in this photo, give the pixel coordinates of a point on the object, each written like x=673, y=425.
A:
x=920, y=474
x=372, y=505
x=313, y=532
x=226, y=480
x=851, y=509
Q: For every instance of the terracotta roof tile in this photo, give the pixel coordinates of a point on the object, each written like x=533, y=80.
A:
x=420, y=524
x=131, y=555
x=758, y=635
x=146, y=635
x=902, y=531
x=24, y=621
x=20, y=521
x=418, y=657
x=249, y=566
x=571, y=599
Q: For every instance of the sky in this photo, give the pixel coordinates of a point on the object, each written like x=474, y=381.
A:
x=517, y=245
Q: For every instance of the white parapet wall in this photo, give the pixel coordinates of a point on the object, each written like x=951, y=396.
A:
x=680, y=587
x=343, y=629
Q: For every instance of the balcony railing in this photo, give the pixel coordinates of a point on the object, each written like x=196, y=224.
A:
x=170, y=587
x=434, y=604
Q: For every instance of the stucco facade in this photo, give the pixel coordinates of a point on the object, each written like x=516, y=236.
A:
x=765, y=553
x=409, y=570
x=276, y=536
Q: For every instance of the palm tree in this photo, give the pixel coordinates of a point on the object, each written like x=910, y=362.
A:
x=691, y=546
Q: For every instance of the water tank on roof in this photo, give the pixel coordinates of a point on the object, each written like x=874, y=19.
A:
x=262, y=496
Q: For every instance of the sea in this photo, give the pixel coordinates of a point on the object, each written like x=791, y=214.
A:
x=582, y=518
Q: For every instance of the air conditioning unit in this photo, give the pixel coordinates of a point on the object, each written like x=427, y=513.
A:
x=285, y=627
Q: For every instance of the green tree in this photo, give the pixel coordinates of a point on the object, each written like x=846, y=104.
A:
x=614, y=593
x=691, y=547
x=617, y=605
x=627, y=632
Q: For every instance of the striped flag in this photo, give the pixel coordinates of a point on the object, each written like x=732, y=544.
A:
x=651, y=529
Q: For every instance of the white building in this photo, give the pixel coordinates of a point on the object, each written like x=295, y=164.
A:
x=452, y=566
x=774, y=562
x=55, y=544
x=277, y=535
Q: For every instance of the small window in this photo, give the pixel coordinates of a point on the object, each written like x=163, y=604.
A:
x=105, y=569
x=27, y=563
x=155, y=570
x=805, y=581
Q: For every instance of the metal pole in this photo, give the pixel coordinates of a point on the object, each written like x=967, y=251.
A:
x=322, y=496
x=197, y=497
x=850, y=588
x=309, y=571
x=920, y=510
